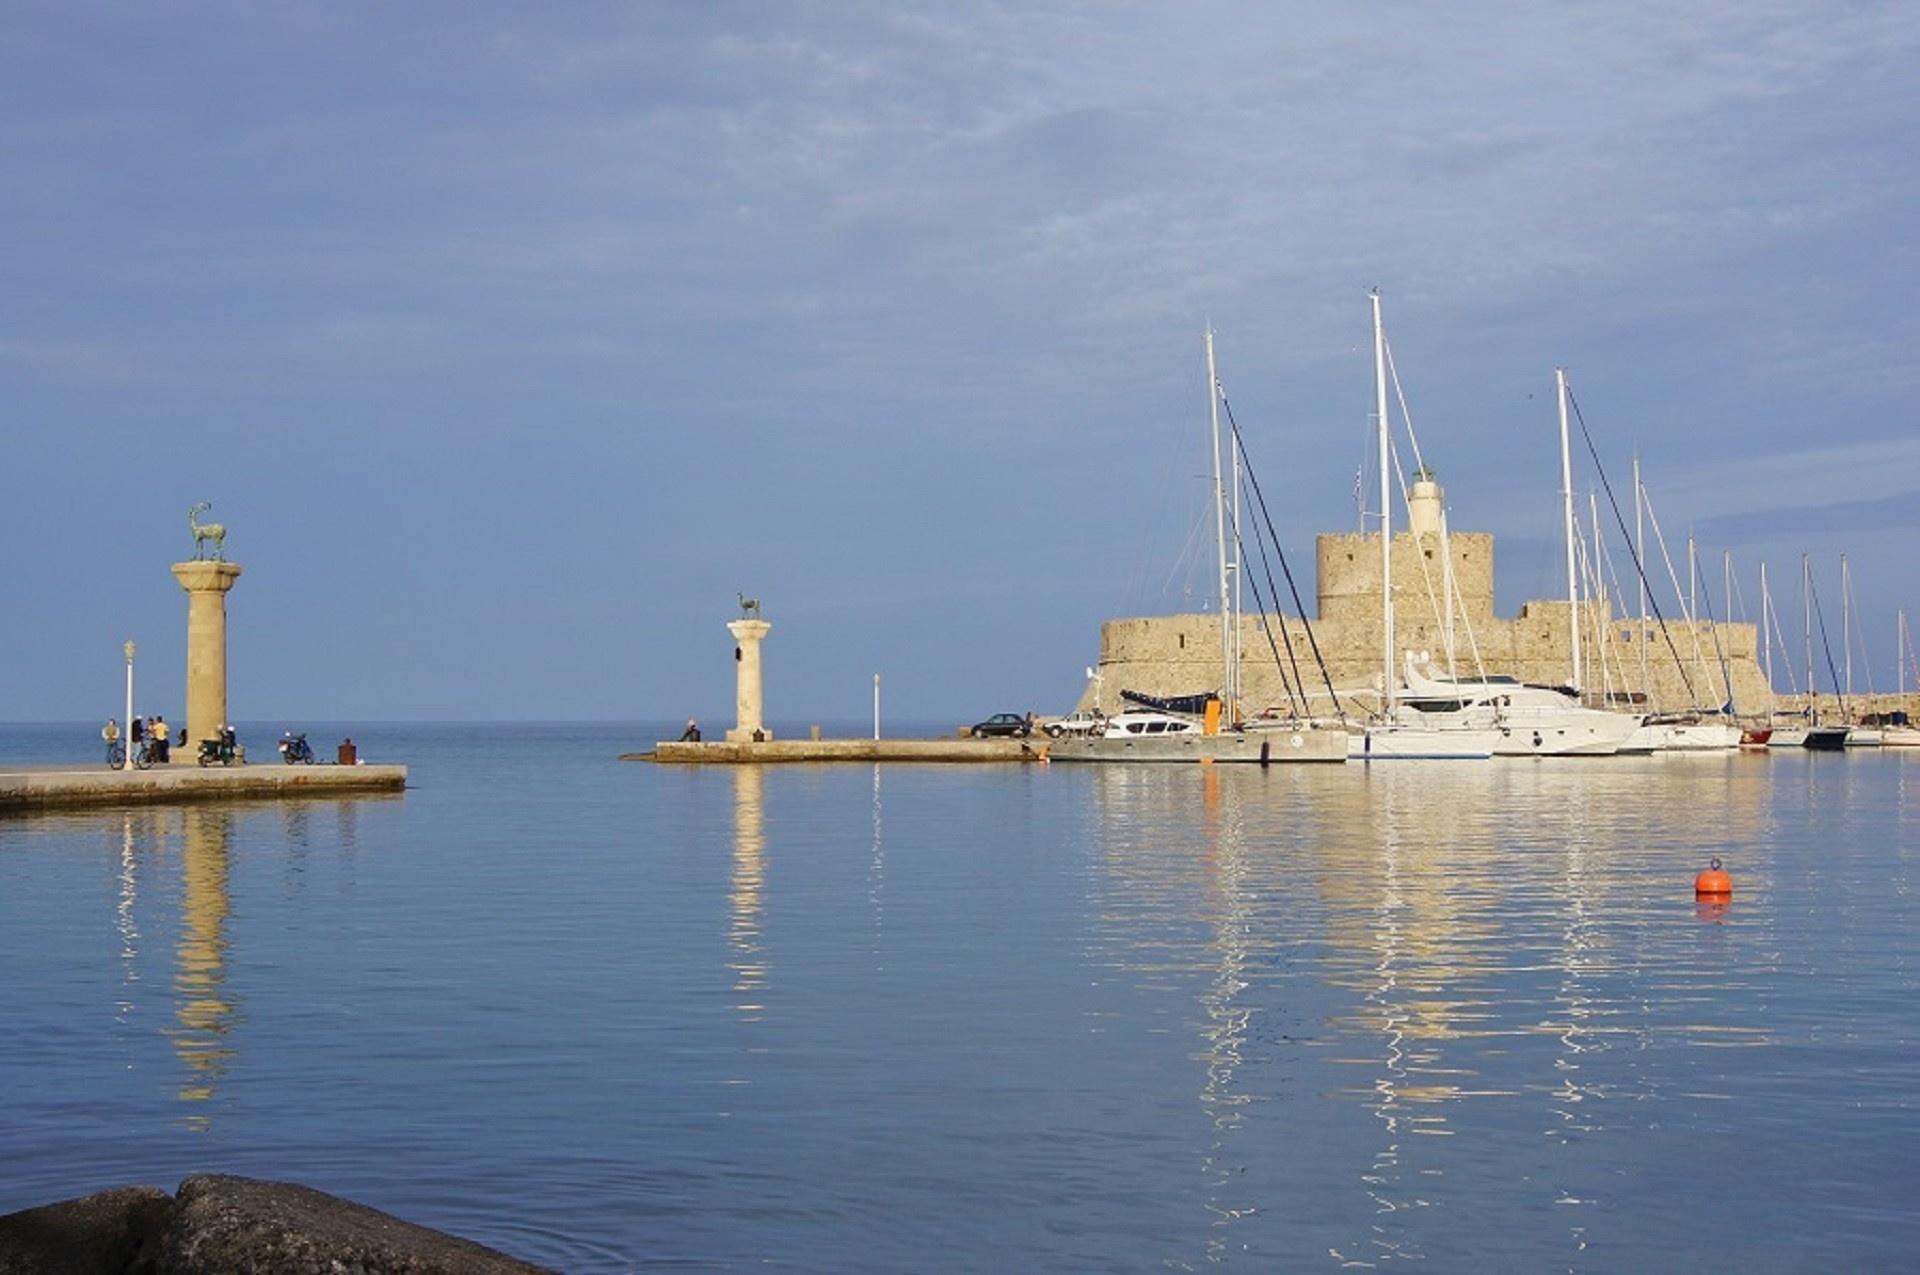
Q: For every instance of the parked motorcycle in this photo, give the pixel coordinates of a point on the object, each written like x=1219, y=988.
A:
x=221, y=748
x=294, y=749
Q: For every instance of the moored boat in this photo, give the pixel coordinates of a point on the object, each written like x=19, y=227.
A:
x=1527, y=720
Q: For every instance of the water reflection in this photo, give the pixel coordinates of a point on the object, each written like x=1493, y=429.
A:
x=877, y=873
x=749, y=880
x=1228, y=1018
x=126, y=920
x=203, y=1012
x=1470, y=939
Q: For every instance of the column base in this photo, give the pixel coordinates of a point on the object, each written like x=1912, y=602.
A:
x=736, y=735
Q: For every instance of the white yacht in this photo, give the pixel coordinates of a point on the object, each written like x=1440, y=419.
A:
x=1530, y=720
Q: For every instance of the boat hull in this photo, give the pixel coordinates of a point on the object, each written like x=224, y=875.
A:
x=1266, y=747
x=1585, y=735
x=1405, y=743
x=1900, y=737
x=1827, y=739
x=1788, y=737
x=1683, y=737
x=1866, y=737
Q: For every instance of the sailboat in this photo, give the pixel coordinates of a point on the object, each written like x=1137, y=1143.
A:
x=1670, y=732
x=1400, y=733
x=1900, y=732
x=1189, y=727
x=1860, y=736
x=1819, y=737
x=1531, y=720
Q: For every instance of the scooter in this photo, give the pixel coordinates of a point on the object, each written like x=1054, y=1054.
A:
x=294, y=748
x=220, y=749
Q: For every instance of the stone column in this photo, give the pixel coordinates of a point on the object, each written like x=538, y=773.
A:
x=747, y=701
x=206, y=584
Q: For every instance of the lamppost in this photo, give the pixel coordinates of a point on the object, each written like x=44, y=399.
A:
x=876, y=706
x=127, y=734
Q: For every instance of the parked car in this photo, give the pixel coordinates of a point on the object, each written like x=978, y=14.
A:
x=1004, y=724
x=1081, y=723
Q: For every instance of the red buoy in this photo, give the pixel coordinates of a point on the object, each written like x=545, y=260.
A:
x=1713, y=883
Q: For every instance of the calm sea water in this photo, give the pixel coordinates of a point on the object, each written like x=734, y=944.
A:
x=609, y=1016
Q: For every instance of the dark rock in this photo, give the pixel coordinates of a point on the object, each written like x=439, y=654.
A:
x=103, y=1234
x=229, y=1224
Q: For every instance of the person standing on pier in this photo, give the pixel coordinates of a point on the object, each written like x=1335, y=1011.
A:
x=161, y=738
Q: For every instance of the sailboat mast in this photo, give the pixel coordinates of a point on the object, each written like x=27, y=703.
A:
x=1566, y=504
x=1766, y=629
x=1806, y=607
x=1603, y=622
x=1386, y=510
x=1640, y=569
x=1239, y=574
x=1693, y=580
x=1846, y=619
x=1446, y=595
x=1220, y=533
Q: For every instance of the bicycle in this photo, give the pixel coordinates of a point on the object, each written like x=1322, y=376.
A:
x=116, y=756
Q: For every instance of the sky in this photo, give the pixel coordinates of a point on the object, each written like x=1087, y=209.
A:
x=511, y=343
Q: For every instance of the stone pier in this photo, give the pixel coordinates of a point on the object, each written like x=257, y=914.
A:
x=748, y=701
x=206, y=584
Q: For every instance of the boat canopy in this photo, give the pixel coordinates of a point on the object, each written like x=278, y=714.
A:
x=1194, y=704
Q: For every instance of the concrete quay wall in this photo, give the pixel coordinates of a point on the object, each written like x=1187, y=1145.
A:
x=28, y=790
x=868, y=750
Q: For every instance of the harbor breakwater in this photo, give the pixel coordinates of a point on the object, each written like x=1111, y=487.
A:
x=58, y=787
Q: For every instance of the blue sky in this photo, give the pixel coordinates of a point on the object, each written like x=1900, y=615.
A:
x=510, y=343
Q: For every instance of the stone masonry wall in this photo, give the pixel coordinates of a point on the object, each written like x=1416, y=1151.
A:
x=1180, y=654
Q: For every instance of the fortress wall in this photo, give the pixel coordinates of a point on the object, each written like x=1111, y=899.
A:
x=1180, y=654
x=1348, y=571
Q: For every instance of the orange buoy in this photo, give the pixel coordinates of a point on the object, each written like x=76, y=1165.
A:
x=1713, y=883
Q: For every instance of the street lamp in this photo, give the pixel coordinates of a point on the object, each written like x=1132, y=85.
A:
x=876, y=706
x=127, y=734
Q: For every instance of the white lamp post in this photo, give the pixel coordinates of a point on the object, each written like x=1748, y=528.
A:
x=127, y=733
x=876, y=706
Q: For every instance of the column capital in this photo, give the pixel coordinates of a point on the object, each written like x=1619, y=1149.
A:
x=748, y=630
x=206, y=577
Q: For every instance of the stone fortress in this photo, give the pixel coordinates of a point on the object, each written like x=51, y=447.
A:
x=1180, y=654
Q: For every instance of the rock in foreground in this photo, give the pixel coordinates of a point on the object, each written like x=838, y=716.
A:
x=222, y=1224
x=116, y=1231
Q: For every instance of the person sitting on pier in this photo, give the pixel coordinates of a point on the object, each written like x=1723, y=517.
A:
x=691, y=735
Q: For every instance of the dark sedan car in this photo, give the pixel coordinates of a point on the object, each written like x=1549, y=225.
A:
x=1004, y=724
